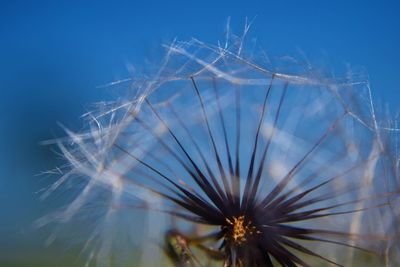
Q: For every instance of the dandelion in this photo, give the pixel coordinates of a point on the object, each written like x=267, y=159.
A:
x=273, y=164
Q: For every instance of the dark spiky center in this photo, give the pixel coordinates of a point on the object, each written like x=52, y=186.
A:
x=255, y=230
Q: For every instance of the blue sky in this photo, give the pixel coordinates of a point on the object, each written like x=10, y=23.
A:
x=54, y=54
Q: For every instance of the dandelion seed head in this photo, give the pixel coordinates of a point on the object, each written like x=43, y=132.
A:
x=280, y=161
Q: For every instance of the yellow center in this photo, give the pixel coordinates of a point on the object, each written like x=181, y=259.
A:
x=240, y=230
